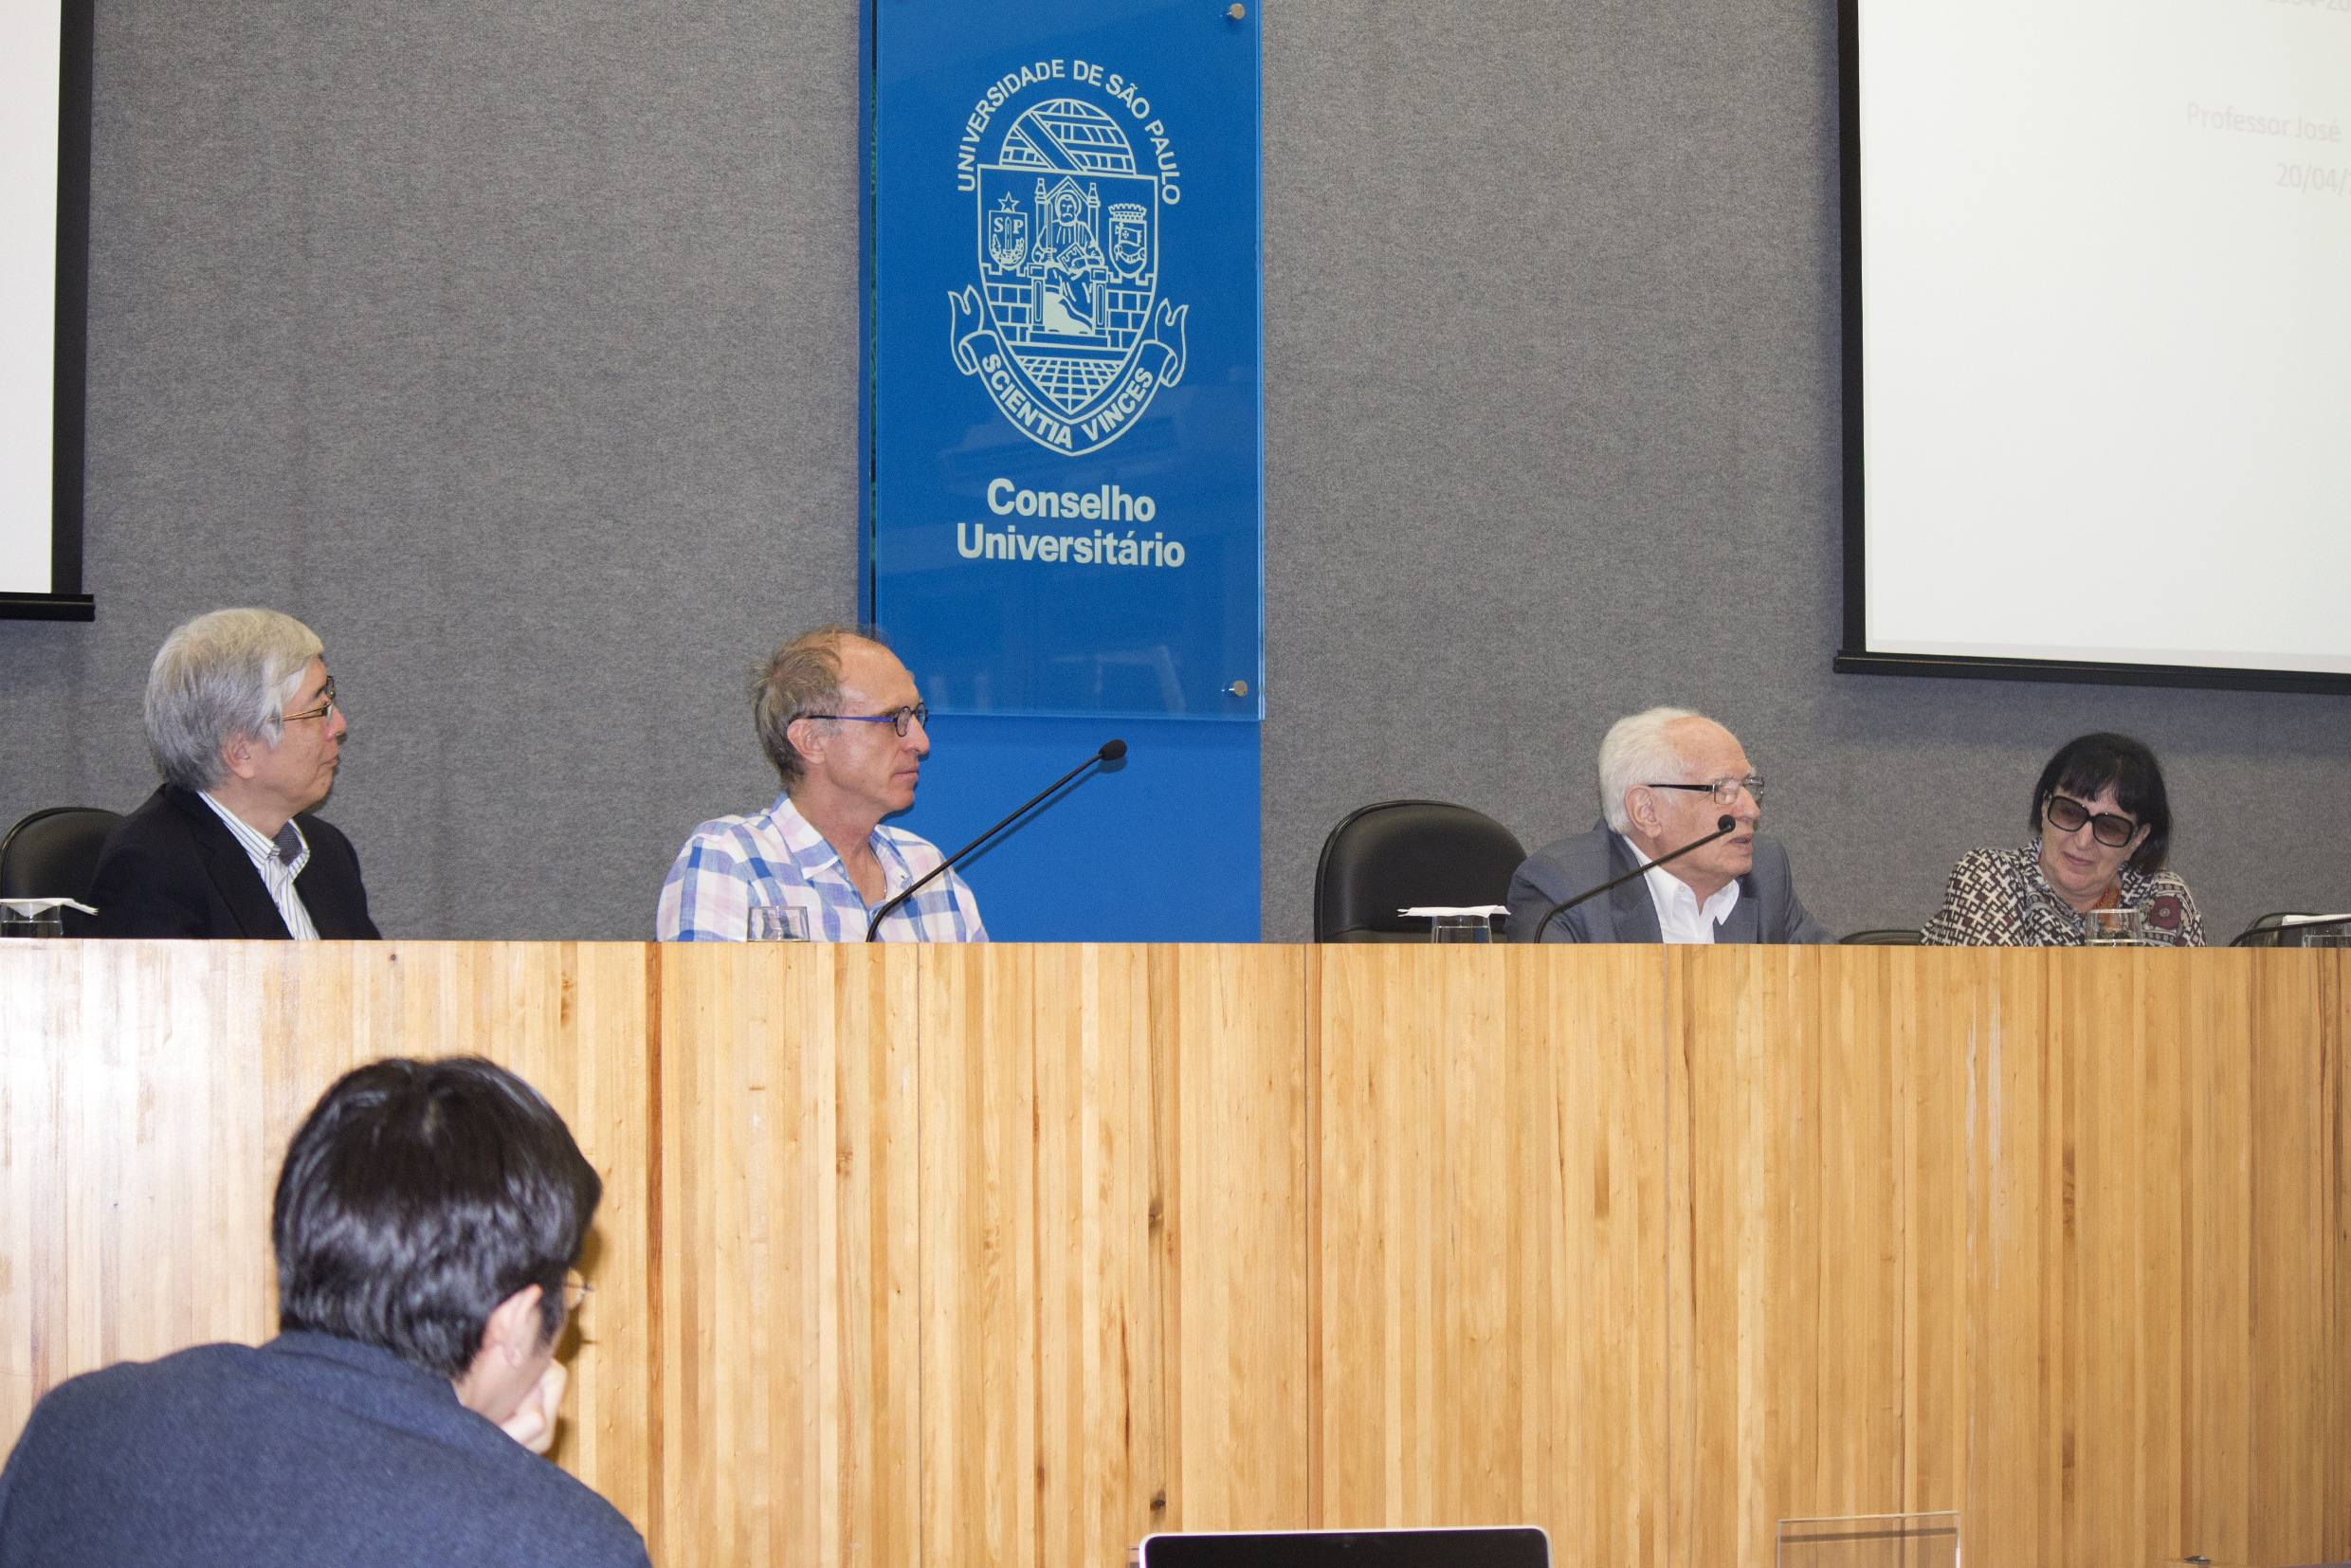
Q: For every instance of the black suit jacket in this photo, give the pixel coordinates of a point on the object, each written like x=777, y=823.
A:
x=173, y=868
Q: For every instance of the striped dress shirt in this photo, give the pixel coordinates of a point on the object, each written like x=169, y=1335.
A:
x=279, y=861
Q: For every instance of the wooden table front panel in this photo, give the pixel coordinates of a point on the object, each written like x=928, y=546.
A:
x=1491, y=1252
x=979, y=1254
x=1016, y=1254
x=2053, y=1238
x=1114, y=1249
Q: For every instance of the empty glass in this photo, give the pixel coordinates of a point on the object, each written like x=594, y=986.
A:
x=1870, y=1540
x=776, y=923
x=1460, y=928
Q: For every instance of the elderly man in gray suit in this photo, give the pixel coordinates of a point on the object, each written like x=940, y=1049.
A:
x=1667, y=777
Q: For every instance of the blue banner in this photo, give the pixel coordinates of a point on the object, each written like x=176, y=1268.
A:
x=1066, y=373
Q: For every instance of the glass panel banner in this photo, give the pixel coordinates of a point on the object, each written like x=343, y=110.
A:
x=1067, y=394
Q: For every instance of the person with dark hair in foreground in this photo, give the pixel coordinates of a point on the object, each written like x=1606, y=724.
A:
x=2103, y=826
x=426, y=1219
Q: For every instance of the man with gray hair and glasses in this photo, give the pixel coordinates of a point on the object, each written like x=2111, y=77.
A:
x=242, y=718
x=840, y=718
x=1667, y=777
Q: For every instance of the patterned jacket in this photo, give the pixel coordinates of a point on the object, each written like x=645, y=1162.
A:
x=1998, y=898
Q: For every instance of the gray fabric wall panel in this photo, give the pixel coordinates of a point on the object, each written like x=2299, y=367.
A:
x=516, y=350
x=1553, y=435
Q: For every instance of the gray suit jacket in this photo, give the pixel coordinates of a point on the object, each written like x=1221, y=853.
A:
x=1768, y=910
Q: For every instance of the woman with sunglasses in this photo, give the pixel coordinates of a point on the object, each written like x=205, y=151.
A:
x=2102, y=825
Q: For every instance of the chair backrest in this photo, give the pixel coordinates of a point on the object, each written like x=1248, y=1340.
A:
x=53, y=854
x=1404, y=852
x=1905, y=937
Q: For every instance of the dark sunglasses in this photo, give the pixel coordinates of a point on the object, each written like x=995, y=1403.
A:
x=2066, y=815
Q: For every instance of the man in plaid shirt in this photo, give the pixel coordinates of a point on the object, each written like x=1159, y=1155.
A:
x=841, y=719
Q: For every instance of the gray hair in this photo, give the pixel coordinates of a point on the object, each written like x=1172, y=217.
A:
x=1638, y=751
x=801, y=678
x=220, y=678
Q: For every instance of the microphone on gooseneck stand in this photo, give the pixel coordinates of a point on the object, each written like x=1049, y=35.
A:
x=1724, y=827
x=1111, y=751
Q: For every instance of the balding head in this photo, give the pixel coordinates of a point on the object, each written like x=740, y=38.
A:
x=800, y=677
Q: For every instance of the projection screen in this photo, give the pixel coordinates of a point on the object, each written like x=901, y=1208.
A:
x=2097, y=340
x=44, y=121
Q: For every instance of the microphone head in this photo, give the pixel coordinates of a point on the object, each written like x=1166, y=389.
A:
x=1112, y=750
x=1725, y=824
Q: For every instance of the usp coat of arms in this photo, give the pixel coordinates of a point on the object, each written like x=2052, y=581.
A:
x=1067, y=329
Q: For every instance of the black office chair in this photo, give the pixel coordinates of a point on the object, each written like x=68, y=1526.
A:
x=2271, y=930
x=1905, y=938
x=53, y=854
x=1400, y=854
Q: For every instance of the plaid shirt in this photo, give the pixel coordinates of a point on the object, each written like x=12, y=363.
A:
x=775, y=857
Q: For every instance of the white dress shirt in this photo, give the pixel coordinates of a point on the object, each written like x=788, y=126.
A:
x=279, y=861
x=1680, y=917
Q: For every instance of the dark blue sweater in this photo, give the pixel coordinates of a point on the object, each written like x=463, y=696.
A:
x=310, y=1450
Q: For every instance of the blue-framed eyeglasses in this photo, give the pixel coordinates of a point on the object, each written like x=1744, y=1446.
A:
x=919, y=714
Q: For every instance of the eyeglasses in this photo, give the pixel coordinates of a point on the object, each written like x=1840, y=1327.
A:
x=1725, y=790
x=575, y=1290
x=2066, y=815
x=919, y=714
x=321, y=710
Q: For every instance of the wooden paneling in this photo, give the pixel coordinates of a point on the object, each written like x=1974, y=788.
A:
x=978, y=1254
x=1492, y=1241
x=2334, y=1129
x=150, y=1090
x=1235, y=1018
x=1014, y=1254
x=2298, y=1455
x=1112, y=1249
x=1788, y=1343
x=2051, y=1238
x=1045, y=1135
x=790, y=1292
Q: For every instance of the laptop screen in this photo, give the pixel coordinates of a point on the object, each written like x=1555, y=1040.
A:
x=1516, y=1546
